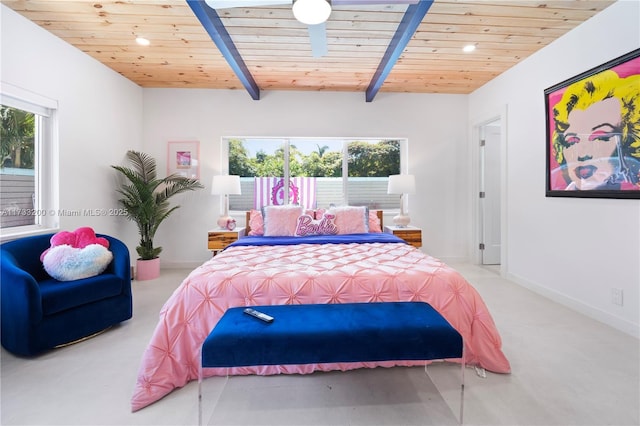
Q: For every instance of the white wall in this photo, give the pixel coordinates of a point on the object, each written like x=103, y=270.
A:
x=99, y=116
x=572, y=250
x=432, y=123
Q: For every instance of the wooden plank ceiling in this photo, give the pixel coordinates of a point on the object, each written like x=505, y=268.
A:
x=275, y=46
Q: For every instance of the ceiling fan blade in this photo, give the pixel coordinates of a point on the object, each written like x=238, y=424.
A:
x=318, y=38
x=226, y=4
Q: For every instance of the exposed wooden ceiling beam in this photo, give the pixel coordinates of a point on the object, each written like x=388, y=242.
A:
x=214, y=27
x=407, y=28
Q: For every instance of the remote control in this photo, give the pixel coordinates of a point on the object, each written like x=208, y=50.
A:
x=260, y=315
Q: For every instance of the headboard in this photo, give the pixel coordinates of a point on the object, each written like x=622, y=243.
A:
x=248, y=228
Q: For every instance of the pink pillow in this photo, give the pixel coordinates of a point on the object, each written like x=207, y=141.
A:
x=308, y=226
x=351, y=219
x=80, y=238
x=374, y=221
x=280, y=221
x=76, y=255
x=256, y=224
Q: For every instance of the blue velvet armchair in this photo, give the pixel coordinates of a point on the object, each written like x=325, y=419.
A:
x=40, y=313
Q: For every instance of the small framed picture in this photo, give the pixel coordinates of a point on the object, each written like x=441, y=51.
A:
x=183, y=159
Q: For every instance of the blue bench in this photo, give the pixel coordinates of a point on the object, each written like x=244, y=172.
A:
x=331, y=333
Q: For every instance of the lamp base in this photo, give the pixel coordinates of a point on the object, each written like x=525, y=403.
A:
x=222, y=221
x=401, y=220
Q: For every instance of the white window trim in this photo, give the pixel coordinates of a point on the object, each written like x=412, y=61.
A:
x=47, y=159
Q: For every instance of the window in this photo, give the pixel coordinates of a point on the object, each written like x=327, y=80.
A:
x=27, y=180
x=314, y=172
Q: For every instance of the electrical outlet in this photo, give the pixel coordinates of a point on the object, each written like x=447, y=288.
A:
x=616, y=296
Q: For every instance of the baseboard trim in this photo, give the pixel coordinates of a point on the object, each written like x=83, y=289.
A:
x=179, y=265
x=453, y=260
x=619, y=324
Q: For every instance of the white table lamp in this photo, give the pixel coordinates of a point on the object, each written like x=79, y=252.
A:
x=225, y=185
x=401, y=184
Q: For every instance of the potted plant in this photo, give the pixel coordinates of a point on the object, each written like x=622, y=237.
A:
x=146, y=202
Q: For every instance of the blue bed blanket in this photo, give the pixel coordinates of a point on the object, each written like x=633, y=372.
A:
x=373, y=237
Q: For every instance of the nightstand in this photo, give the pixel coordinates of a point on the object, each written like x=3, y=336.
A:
x=411, y=234
x=219, y=239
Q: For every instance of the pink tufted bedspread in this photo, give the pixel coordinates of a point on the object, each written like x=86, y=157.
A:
x=307, y=273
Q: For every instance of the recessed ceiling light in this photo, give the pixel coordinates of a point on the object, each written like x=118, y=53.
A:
x=142, y=41
x=469, y=48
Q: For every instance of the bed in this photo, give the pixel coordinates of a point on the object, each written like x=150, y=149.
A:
x=268, y=269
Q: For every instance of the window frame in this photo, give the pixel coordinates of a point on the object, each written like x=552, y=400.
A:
x=295, y=140
x=45, y=162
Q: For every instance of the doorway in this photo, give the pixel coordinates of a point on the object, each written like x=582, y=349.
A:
x=490, y=192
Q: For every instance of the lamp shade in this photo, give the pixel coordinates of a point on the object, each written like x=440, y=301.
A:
x=401, y=184
x=311, y=12
x=225, y=184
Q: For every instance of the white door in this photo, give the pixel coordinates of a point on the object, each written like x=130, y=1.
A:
x=490, y=192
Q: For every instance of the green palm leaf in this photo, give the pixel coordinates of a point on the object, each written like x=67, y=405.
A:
x=146, y=198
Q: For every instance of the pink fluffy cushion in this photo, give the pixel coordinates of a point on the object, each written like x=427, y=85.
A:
x=351, y=219
x=66, y=263
x=307, y=225
x=256, y=224
x=80, y=238
x=76, y=255
x=280, y=221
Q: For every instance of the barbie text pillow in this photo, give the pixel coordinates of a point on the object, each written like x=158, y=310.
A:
x=307, y=225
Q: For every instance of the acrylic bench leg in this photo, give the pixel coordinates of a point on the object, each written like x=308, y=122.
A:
x=460, y=416
x=200, y=395
x=462, y=367
x=200, y=381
